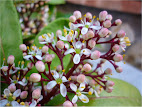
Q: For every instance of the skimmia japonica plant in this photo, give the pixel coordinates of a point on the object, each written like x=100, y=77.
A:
x=80, y=41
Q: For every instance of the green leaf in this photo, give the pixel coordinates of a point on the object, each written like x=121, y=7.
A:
x=124, y=94
x=10, y=32
x=56, y=2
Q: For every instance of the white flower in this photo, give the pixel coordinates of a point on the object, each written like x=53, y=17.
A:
x=11, y=71
x=79, y=52
x=79, y=92
x=92, y=90
x=23, y=82
x=124, y=42
x=10, y=98
x=86, y=25
x=59, y=79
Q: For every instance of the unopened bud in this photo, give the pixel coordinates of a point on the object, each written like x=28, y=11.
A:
x=30, y=65
x=10, y=59
x=67, y=104
x=35, y=77
x=89, y=15
x=115, y=48
x=41, y=39
x=109, y=17
x=40, y=66
x=119, y=69
x=23, y=94
x=87, y=67
x=48, y=58
x=12, y=87
x=45, y=49
x=117, y=58
x=91, y=43
x=36, y=93
x=108, y=71
x=59, y=68
x=95, y=55
x=23, y=47
x=90, y=34
x=77, y=14
x=118, y=22
x=59, y=32
x=85, y=37
x=4, y=68
x=103, y=32
x=92, y=82
x=107, y=23
x=60, y=44
x=109, y=83
x=121, y=34
x=81, y=78
x=102, y=15
x=109, y=89
x=72, y=18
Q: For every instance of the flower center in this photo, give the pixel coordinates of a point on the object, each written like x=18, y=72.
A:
x=78, y=51
x=87, y=26
x=59, y=81
x=78, y=93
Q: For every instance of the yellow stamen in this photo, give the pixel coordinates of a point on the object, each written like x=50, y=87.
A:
x=22, y=103
x=71, y=46
x=94, y=17
x=124, y=55
x=52, y=73
x=27, y=47
x=39, y=47
x=90, y=20
x=4, y=96
x=69, y=24
x=17, y=78
x=83, y=41
x=65, y=30
x=82, y=87
x=128, y=44
x=19, y=62
x=10, y=94
x=43, y=37
x=7, y=104
x=4, y=59
x=69, y=78
x=110, y=74
x=18, y=72
x=89, y=93
x=79, y=93
x=85, y=15
x=14, y=98
x=83, y=99
x=97, y=18
x=72, y=31
x=71, y=40
x=70, y=34
x=49, y=34
x=18, y=100
x=65, y=33
x=63, y=70
x=27, y=78
x=124, y=62
x=22, y=62
x=80, y=18
x=55, y=67
x=101, y=87
x=83, y=50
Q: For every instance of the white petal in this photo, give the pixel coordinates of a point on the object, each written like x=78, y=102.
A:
x=96, y=93
x=86, y=51
x=76, y=59
x=82, y=86
x=51, y=84
x=82, y=97
x=22, y=83
x=17, y=93
x=91, y=90
x=78, y=25
x=69, y=51
x=64, y=79
x=66, y=28
x=42, y=42
x=33, y=104
x=62, y=38
x=27, y=57
x=38, y=57
x=78, y=45
x=84, y=30
x=95, y=27
x=63, y=90
x=6, y=92
x=15, y=104
x=3, y=102
x=55, y=74
x=73, y=87
x=75, y=98
x=41, y=97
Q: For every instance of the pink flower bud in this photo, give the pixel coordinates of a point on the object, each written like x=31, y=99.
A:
x=121, y=34
x=24, y=54
x=109, y=89
x=45, y=49
x=72, y=18
x=4, y=68
x=28, y=6
x=40, y=38
x=66, y=46
x=92, y=82
x=103, y=32
x=91, y=43
x=12, y=87
x=40, y=66
x=89, y=15
x=59, y=32
x=77, y=14
x=119, y=69
x=30, y=65
x=67, y=104
x=109, y=17
x=36, y=93
x=117, y=58
x=59, y=68
x=23, y=94
x=115, y=48
x=35, y=77
x=87, y=67
x=48, y=58
x=118, y=22
x=10, y=59
x=95, y=55
x=81, y=78
x=90, y=34
x=102, y=15
x=109, y=83
x=60, y=44
x=107, y=23
x=85, y=37
x=23, y=47
x=74, y=78
x=108, y=71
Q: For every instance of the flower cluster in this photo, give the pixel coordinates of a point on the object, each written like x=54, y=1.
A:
x=30, y=25
x=80, y=41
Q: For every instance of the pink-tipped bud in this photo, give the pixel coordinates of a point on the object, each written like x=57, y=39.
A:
x=10, y=59
x=72, y=18
x=81, y=78
x=91, y=43
x=103, y=32
x=118, y=22
x=30, y=65
x=107, y=23
x=87, y=67
x=85, y=37
x=41, y=39
x=108, y=71
x=66, y=46
x=102, y=15
x=92, y=82
x=115, y=48
x=90, y=34
x=59, y=68
x=89, y=15
x=36, y=93
x=45, y=49
x=74, y=78
x=77, y=14
x=58, y=32
x=35, y=77
x=23, y=47
x=67, y=104
x=109, y=83
x=121, y=34
x=109, y=89
x=4, y=68
x=60, y=44
x=48, y=58
x=40, y=66
x=117, y=58
x=109, y=17
x=12, y=87
x=95, y=55
x=28, y=6
x=119, y=69
x=23, y=94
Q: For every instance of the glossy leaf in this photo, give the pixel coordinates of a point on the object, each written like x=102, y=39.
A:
x=56, y=2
